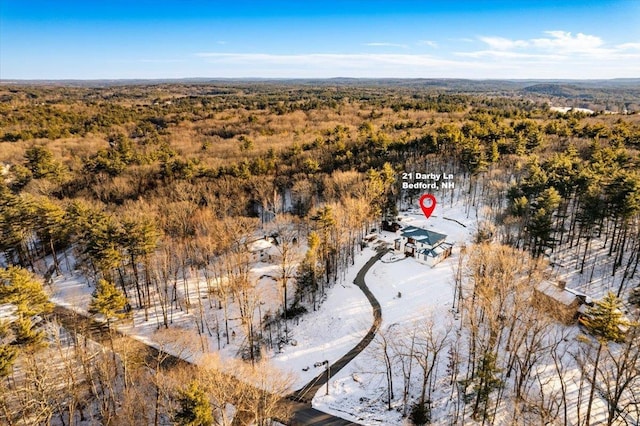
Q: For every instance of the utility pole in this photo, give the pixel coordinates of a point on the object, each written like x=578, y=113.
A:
x=286, y=328
x=326, y=362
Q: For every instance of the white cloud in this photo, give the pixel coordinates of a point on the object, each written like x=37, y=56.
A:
x=333, y=65
x=160, y=61
x=628, y=46
x=500, y=43
x=562, y=41
x=508, y=55
x=429, y=43
x=564, y=49
x=558, y=42
x=557, y=54
x=385, y=44
x=326, y=59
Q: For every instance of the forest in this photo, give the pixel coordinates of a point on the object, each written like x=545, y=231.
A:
x=149, y=190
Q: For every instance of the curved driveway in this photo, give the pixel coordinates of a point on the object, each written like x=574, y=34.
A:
x=299, y=402
x=307, y=392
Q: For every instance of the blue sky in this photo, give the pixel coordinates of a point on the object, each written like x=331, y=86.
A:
x=308, y=39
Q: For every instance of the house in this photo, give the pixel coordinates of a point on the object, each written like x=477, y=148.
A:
x=425, y=246
x=560, y=302
x=261, y=250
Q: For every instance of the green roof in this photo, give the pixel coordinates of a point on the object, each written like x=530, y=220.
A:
x=423, y=236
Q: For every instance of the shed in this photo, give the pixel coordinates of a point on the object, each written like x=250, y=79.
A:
x=557, y=300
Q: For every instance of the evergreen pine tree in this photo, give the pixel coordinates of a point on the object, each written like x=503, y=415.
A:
x=41, y=163
x=108, y=301
x=541, y=224
x=195, y=408
x=25, y=332
x=420, y=413
x=607, y=323
x=7, y=356
x=8, y=353
x=486, y=381
x=20, y=289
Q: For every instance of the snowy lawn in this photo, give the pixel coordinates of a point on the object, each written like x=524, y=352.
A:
x=408, y=291
x=327, y=334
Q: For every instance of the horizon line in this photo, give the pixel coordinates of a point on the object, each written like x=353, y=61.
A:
x=107, y=79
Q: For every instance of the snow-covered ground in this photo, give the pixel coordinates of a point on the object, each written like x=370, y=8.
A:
x=327, y=334
x=564, y=110
x=406, y=289
x=409, y=292
x=72, y=290
x=344, y=318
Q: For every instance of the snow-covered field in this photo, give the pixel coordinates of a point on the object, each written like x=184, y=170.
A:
x=330, y=332
x=408, y=292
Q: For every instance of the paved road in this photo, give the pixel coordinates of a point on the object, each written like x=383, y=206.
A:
x=306, y=393
x=302, y=414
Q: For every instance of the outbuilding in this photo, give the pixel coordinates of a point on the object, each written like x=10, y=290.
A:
x=560, y=302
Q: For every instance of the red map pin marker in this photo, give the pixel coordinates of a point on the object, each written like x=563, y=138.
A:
x=427, y=204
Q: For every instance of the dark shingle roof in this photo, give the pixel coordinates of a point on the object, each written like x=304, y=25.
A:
x=423, y=235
